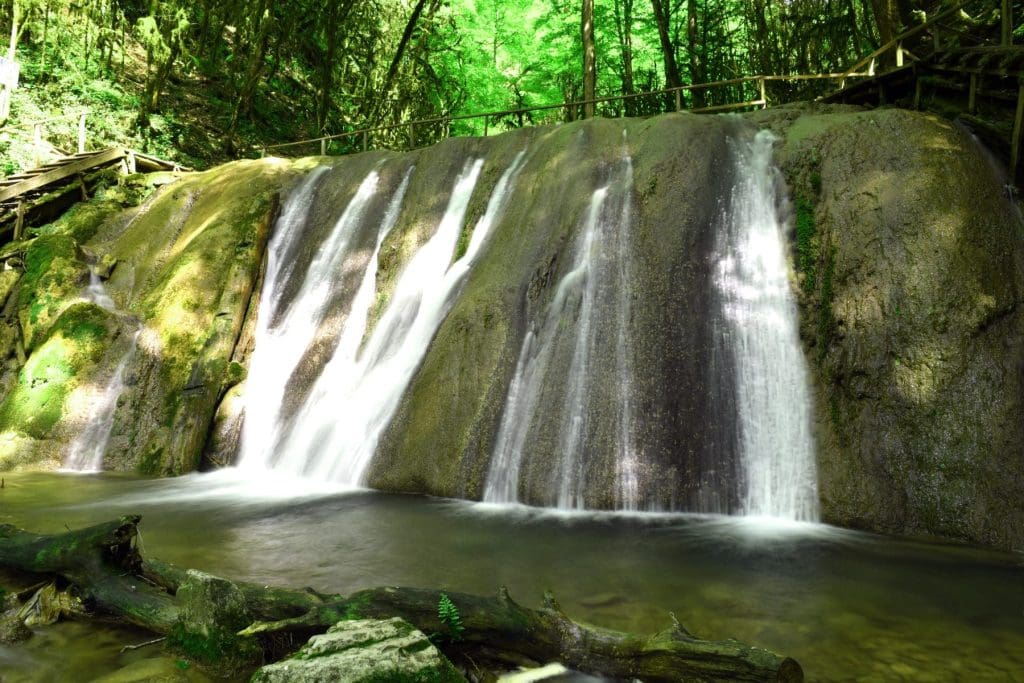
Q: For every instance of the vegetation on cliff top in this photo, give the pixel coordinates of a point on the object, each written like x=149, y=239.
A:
x=204, y=82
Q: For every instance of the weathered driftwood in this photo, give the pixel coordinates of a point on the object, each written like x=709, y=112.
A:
x=104, y=564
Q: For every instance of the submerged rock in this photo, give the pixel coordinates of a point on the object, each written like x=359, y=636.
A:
x=364, y=650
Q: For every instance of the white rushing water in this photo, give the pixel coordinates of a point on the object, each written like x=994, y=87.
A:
x=284, y=335
x=772, y=395
x=85, y=453
x=599, y=276
x=334, y=433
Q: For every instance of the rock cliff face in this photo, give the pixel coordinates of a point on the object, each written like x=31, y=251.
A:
x=907, y=262
x=910, y=257
x=181, y=266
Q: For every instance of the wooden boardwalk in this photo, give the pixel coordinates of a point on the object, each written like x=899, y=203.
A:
x=33, y=190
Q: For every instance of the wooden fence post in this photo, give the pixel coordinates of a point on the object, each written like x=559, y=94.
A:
x=412, y=135
x=972, y=94
x=323, y=147
x=366, y=140
x=37, y=146
x=899, y=54
x=679, y=100
x=19, y=225
x=81, y=134
x=764, y=96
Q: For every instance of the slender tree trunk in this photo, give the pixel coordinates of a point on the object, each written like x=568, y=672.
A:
x=668, y=51
x=694, y=47
x=15, y=29
x=589, y=59
x=410, y=27
x=46, y=30
x=624, y=29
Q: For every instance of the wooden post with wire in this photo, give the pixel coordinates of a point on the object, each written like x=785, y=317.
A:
x=19, y=225
x=37, y=143
x=81, y=134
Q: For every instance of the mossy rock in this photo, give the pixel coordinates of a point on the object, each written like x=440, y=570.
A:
x=54, y=275
x=76, y=343
x=365, y=651
x=213, y=611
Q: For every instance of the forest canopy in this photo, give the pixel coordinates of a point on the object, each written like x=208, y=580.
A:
x=215, y=79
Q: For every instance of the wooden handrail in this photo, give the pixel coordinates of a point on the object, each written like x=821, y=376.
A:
x=577, y=103
x=32, y=124
x=903, y=36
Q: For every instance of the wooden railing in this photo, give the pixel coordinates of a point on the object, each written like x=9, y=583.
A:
x=935, y=26
x=364, y=136
x=362, y=139
x=38, y=127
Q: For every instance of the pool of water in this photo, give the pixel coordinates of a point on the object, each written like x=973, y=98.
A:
x=847, y=605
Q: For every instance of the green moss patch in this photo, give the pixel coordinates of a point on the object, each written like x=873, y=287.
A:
x=53, y=276
x=77, y=342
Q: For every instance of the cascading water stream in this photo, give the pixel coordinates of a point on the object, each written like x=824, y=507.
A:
x=85, y=453
x=772, y=396
x=283, y=335
x=597, y=281
x=366, y=387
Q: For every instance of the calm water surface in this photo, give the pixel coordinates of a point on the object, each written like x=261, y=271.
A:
x=848, y=606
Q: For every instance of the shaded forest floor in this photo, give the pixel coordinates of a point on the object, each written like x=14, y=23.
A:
x=188, y=125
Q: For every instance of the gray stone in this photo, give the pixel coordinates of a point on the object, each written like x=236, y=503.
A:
x=363, y=650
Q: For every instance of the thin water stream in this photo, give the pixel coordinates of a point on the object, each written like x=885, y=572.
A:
x=847, y=605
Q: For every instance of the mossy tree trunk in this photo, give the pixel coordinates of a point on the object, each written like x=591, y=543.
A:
x=106, y=567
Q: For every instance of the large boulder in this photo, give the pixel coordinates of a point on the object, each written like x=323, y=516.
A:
x=911, y=259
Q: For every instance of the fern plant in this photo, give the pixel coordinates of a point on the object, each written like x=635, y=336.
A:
x=448, y=613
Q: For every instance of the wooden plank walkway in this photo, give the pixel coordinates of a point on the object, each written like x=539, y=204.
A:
x=19, y=191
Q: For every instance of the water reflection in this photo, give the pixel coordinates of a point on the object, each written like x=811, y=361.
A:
x=845, y=604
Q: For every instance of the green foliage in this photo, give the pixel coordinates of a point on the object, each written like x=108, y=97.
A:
x=826, y=320
x=449, y=615
x=219, y=646
x=200, y=82
x=806, y=244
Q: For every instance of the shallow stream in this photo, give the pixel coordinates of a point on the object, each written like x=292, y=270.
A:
x=847, y=605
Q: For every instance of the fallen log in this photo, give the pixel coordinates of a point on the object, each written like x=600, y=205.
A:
x=220, y=618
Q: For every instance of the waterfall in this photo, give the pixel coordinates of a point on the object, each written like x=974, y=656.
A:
x=773, y=401
x=366, y=387
x=284, y=335
x=591, y=298
x=85, y=453
x=366, y=376
x=599, y=409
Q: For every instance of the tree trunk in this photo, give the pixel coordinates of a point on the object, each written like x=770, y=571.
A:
x=104, y=563
x=624, y=28
x=385, y=91
x=694, y=47
x=668, y=52
x=589, y=59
